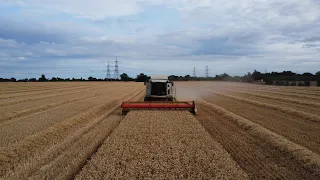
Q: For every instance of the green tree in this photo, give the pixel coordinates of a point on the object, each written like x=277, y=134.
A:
x=307, y=74
x=124, y=77
x=225, y=77
x=42, y=78
x=247, y=78
x=142, y=77
x=32, y=80
x=256, y=75
x=187, y=77
x=318, y=78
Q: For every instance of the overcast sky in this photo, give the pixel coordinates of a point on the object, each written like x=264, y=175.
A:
x=77, y=38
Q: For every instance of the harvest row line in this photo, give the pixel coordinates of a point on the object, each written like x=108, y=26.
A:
x=78, y=136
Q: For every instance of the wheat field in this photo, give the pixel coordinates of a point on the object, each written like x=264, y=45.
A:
x=75, y=130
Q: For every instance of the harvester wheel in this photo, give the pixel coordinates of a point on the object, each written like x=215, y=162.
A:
x=195, y=111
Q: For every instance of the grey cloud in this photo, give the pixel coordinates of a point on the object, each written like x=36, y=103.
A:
x=242, y=44
x=311, y=45
x=8, y=43
x=96, y=9
x=141, y=29
x=29, y=33
x=312, y=39
x=3, y=55
x=248, y=37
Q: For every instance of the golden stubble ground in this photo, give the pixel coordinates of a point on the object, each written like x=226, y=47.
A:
x=164, y=145
x=74, y=129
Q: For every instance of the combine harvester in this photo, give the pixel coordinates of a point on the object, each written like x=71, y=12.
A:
x=159, y=95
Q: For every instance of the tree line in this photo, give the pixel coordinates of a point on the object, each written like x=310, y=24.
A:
x=123, y=77
x=285, y=78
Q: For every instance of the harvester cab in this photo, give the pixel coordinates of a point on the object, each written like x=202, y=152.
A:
x=160, y=94
x=159, y=88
